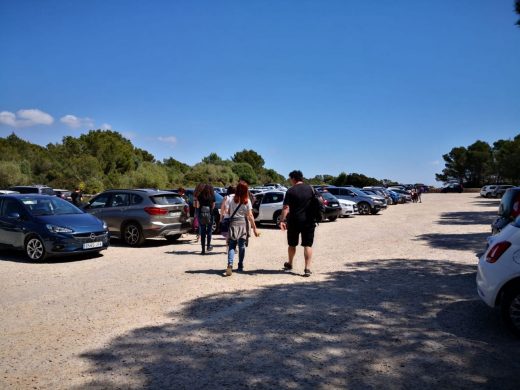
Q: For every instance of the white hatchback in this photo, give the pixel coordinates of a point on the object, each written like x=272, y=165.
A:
x=487, y=191
x=348, y=207
x=498, y=276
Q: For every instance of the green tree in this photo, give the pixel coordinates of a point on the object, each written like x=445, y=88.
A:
x=341, y=180
x=213, y=158
x=245, y=171
x=455, y=165
x=479, y=163
x=11, y=174
x=251, y=157
x=221, y=175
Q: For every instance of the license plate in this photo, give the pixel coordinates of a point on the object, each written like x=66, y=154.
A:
x=90, y=245
x=174, y=213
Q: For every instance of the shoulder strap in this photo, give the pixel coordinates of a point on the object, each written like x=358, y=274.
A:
x=234, y=212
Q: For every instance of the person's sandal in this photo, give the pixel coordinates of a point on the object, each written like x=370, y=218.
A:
x=287, y=266
x=307, y=273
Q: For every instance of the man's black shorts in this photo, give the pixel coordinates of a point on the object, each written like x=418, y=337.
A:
x=306, y=230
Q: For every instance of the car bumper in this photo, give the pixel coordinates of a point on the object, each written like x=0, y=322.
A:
x=66, y=244
x=160, y=229
x=489, y=281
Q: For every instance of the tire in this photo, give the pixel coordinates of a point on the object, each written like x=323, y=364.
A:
x=332, y=219
x=510, y=309
x=374, y=211
x=132, y=234
x=173, y=237
x=34, y=249
x=276, y=217
x=363, y=208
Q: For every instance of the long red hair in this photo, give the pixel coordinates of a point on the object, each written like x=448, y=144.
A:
x=242, y=194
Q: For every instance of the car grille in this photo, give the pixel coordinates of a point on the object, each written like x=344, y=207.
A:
x=89, y=237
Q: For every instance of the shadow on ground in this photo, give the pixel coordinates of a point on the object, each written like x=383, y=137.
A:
x=16, y=256
x=380, y=324
x=475, y=242
x=468, y=218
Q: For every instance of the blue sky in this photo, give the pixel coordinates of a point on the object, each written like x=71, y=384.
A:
x=376, y=87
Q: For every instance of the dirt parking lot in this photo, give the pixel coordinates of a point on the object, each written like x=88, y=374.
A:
x=392, y=304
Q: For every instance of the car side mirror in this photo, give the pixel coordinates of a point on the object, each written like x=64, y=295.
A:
x=14, y=216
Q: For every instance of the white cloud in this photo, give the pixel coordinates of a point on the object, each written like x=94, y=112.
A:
x=74, y=122
x=169, y=140
x=25, y=118
x=106, y=126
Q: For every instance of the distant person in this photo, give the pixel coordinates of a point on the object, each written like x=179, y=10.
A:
x=182, y=193
x=240, y=212
x=77, y=197
x=297, y=220
x=419, y=193
x=224, y=209
x=196, y=193
x=206, y=204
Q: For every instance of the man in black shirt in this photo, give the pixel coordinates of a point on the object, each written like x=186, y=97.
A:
x=297, y=220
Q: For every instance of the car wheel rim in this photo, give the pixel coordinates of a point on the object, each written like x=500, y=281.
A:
x=35, y=249
x=514, y=312
x=132, y=234
x=364, y=209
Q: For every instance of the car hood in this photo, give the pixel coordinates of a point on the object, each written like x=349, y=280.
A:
x=77, y=222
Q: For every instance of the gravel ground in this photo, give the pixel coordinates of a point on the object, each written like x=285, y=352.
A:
x=392, y=304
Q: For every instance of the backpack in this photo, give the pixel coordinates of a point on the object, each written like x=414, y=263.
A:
x=205, y=215
x=316, y=207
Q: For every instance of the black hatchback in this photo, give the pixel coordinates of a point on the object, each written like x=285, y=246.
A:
x=332, y=206
x=44, y=225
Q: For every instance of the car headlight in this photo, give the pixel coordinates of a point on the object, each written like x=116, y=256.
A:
x=59, y=229
x=105, y=226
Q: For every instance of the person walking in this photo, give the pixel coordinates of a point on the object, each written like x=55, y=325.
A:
x=76, y=197
x=298, y=220
x=206, y=204
x=224, y=212
x=239, y=208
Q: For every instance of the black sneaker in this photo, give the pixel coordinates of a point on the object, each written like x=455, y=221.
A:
x=240, y=268
x=287, y=266
x=210, y=248
x=307, y=273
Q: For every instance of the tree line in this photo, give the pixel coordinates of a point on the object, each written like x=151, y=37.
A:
x=481, y=163
x=102, y=159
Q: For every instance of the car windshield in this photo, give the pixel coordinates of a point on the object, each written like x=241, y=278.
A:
x=328, y=196
x=40, y=205
x=357, y=191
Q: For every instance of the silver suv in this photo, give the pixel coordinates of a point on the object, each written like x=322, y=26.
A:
x=135, y=215
x=366, y=204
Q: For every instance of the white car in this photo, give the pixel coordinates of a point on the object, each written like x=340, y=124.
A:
x=498, y=276
x=268, y=206
x=348, y=207
x=487, y=191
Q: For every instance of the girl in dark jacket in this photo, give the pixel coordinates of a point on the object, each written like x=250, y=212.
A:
x=205, y=203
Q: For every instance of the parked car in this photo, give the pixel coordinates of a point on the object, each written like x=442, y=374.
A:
x=498, y=276
x=63, y=194
x=366, y=205
x=382, y=192
x=34, y=189
x=6, y=192
x=508, y=210
x=135, y=215
x=348, y=207
x=452, y=187
x=332, y=207
x=267, y=206
x=403, y=194
x=44, y=225
x=379, y=199
x=500, y=190
x=486, y=191
x=396, y=198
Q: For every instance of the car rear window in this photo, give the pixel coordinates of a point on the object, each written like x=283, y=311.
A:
x=166, y=199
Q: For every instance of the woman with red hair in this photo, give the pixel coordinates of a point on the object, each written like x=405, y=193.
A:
x=239, y=209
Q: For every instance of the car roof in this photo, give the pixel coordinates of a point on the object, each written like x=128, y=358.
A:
x=20, y=196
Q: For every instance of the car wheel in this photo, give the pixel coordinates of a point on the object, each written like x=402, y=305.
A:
x=364, y=208
x=173, y=237
x=374, y=211
x=510, y=309
x=133, y=234
x=34, y=249
x=332, y=219
x=277, y=216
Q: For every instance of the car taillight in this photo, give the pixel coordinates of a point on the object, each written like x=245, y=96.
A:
x=155, y=211
x=497, y=251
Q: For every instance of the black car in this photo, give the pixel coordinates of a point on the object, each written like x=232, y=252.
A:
x=332, y=206
x=44, y=225
x=452, y=187
x=508, y=210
